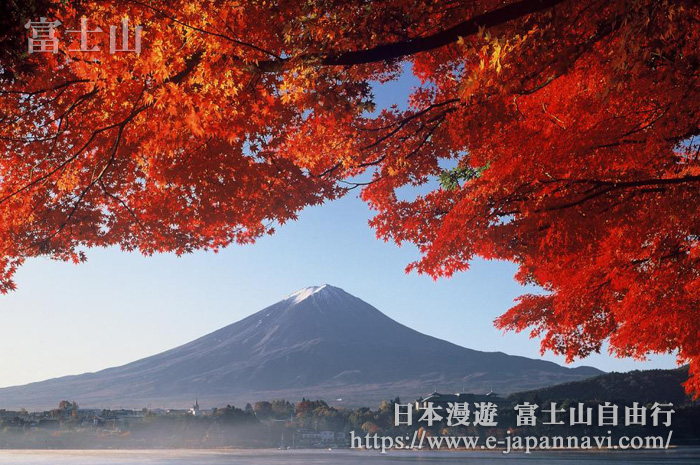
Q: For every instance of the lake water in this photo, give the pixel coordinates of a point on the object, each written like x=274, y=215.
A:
x=685, y=456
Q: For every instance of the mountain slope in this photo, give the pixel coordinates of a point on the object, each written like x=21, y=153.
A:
x=320, y=341
x=645, y=387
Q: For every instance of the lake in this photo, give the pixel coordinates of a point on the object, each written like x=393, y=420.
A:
x=685, y=456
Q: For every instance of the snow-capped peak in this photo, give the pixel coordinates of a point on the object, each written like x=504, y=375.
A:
x=305, y=293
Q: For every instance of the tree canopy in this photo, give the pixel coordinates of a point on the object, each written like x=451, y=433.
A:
x=563, y=134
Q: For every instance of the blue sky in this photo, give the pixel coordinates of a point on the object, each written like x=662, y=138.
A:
x=67, y=319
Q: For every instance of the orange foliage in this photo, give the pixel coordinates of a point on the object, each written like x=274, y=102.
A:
x=569, y=128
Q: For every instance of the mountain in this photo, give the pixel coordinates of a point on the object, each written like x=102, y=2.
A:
x=643, y=386
x=318, y=342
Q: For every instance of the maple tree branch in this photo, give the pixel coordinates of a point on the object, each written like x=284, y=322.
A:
x=55, y=170
x=399, y=125
x=90, y=185
x=572, y=55
x=413, y=116
x=354, y=185
x=123, y=204
x=190, y=65
x=395, y=50
x=60, y=129
x=677, y=253
x=45, y=89
x=204, y=31
x=609, y=186
x=424, y=140
x=115, y=147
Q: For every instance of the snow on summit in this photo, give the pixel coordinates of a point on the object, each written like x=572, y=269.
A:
x=305, y=293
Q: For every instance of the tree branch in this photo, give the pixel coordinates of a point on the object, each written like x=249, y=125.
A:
x=608, y=186
x=395, y=50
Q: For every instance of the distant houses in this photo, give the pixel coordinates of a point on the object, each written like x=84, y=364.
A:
x=308, y=424
x=443, y=400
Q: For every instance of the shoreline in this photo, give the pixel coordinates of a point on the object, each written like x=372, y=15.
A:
x=342, y=449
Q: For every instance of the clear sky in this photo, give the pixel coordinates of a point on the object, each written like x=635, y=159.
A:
x=67, y=319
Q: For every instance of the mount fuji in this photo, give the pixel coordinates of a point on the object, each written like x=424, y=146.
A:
x=318, y=342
